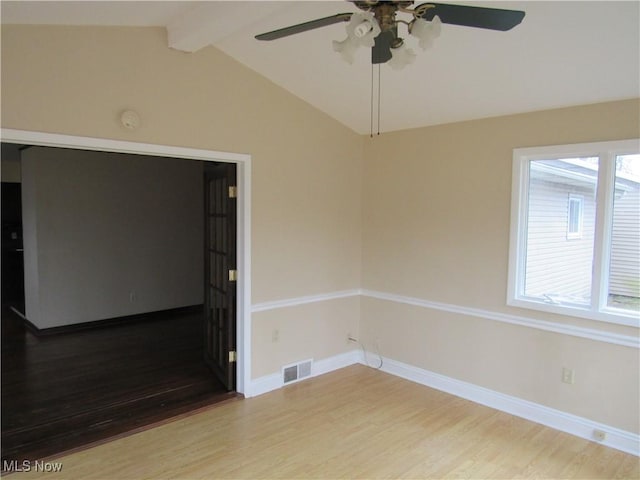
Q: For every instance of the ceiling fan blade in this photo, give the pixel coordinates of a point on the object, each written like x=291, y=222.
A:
x=381, y=50
x=479, y=17
x=303, y=27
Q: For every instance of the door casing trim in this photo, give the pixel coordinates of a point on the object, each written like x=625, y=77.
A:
x=243, y=162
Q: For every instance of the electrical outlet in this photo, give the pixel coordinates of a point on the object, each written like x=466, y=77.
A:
x=568, y=376
x=275, y=335
x=599, y=435
x=132, y=297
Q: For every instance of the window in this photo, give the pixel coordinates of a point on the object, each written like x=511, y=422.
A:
x=575, y=230
x=574, y=216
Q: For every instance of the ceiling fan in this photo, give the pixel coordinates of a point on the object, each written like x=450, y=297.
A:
x=377, y=26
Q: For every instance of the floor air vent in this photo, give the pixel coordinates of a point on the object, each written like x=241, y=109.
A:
x=297, y=371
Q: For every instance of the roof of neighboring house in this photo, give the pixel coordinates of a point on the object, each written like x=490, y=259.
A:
x=581, y=171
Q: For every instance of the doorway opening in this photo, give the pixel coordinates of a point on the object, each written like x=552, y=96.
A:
x=163, y=321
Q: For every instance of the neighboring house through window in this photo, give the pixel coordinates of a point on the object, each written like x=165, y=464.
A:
x=574, y=216
x=575, y=232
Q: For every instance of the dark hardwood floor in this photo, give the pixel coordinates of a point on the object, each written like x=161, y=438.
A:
x=63, y=391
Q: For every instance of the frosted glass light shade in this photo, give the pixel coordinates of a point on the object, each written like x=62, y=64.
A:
x=346, y=48
x=401, y=57
x=426, y=32
x=362, y=30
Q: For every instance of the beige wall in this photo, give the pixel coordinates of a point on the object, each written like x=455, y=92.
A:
x=331, y=320
x=436, y=227
x=306, y=167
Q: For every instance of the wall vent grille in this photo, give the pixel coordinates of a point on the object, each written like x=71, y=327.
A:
x=297, y=371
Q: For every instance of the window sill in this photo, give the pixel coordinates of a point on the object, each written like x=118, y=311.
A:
x=609, y=315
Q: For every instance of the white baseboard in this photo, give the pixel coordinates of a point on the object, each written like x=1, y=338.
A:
x=336, y=362
x=264, y=384
x=581, y=427
x=274, y=381
x=565, y=422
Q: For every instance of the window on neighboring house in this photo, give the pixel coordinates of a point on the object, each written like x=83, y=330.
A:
x=574, y=216
x=575, y=230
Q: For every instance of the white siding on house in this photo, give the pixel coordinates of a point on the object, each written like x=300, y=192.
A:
x=559, y=257
x=624, y=271
x=558, y=267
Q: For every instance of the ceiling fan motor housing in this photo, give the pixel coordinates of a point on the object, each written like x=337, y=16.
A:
x=385, y=15
x=385, y=12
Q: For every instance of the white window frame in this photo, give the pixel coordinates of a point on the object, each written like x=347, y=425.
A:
x=607, y=153
x=579, y=201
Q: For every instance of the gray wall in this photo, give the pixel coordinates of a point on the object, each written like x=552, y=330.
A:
x=109, y=235
x=10, y=165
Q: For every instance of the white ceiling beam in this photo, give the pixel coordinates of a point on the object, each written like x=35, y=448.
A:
x=210, y=22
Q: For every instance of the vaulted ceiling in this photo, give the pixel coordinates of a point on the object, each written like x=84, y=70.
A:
x=562, y=54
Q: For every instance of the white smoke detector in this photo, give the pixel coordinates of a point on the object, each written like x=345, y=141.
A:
x=130, y=119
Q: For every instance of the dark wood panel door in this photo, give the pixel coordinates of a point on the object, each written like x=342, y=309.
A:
x=220, y=271
x=12, y=249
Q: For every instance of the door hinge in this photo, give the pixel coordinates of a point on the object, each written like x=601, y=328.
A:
x=233, y=191
x=232, y=356
x=233, y=275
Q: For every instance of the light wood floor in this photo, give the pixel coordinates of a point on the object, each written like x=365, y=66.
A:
x=353, y=423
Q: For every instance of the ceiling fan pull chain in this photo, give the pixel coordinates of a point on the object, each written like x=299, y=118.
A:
x=371, y=110
x=379, y=88
x=374, y=104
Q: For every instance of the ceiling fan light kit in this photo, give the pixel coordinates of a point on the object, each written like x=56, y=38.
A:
x=363, y=29
x=376, y=27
